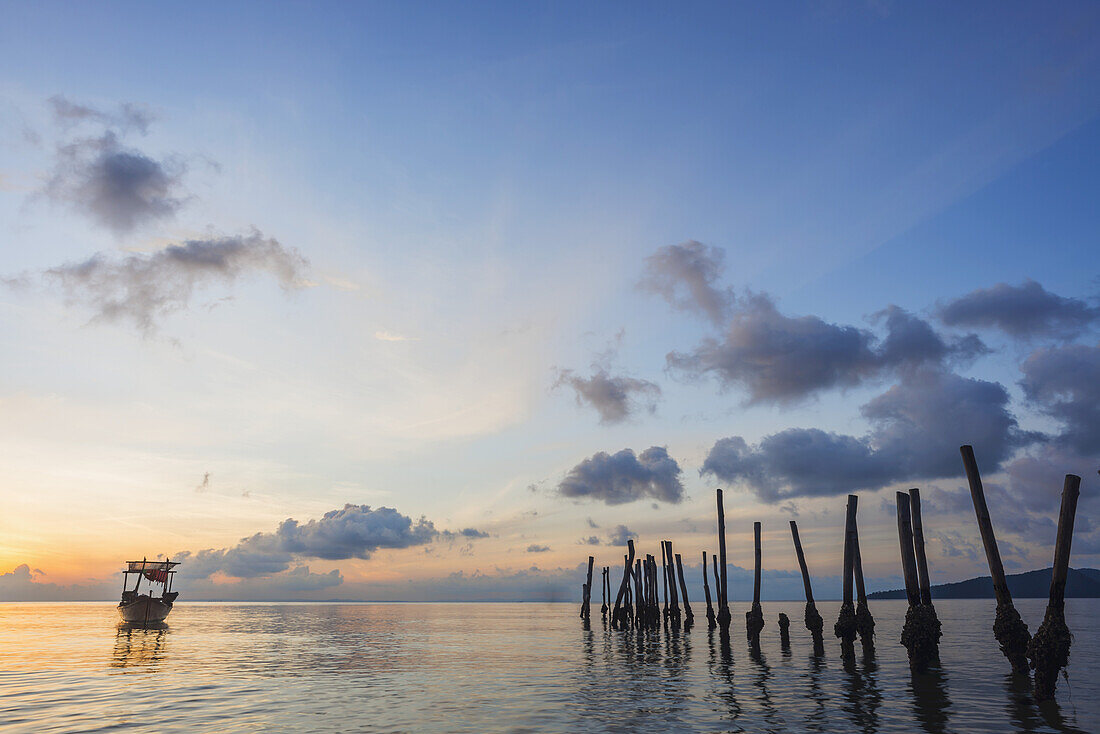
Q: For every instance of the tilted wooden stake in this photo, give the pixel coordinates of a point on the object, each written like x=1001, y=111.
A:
x=706, y=592
x=1008, y=628
x=688, y=616
x=1049, y=648
x=814, y=623
x=918, y=547
x=865, y=623
x=908, y=558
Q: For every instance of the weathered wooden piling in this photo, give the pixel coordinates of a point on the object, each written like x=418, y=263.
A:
x=706, y=593
x=865, y=623
x=673, y=594
x=1048, y=650
x=605, y=590
x=723, y=598
x=814, y=623
x=617, y=614
x=1008, y=627
x=845, y=627
x=586, y=602
x=754, y=618
x=639, y=594
x=920, y=634
x=784, y=631
x=664, y=579
x=689, y=617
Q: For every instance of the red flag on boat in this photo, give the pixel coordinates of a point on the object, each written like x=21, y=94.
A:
x=160, y=575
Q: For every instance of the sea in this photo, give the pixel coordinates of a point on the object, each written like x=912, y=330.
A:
x=497, y=667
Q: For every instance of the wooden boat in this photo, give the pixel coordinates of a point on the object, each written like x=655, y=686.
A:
x=147, y=607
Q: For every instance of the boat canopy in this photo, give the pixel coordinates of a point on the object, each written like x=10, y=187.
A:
x=139, y=566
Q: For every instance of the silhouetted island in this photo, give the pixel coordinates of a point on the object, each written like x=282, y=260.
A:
x=1082, y=583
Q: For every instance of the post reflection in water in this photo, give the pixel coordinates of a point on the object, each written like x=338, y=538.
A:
x=930, y=700
x=862, y=696
x=505, y=667
x=137, y=645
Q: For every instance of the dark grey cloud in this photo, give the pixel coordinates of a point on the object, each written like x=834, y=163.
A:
x=687, y=275
x=783, y=359
x=1023, y=311
x=472, y=533
x=142, y=288
x=917, y=427
x=620, y=535
x=625, y=477
x=590, y=540
x=591, y=523
x=1065, y=383
x=615, y=398
x=118, y=187
x=536, y=548
x=355, y=531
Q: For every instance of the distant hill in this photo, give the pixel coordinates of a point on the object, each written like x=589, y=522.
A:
x=1080, y=583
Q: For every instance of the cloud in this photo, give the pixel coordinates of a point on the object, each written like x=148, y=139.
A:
x=128, y=117
x=590, y=540
x=472, y=533
x=204, y=484
x=143, y=288
x=615, y=398
x=783, y=359
x=686, y=276
x=355, y=531
x=917, y=427
x=388, y=336
x=625, y=477
x=24, y=584
x=620, y=535
x=1023, y=311
x=535, y=548
x=1065, y=383
x=119, y=188
x=591, y=523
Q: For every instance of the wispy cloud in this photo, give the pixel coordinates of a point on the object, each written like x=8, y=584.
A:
x=143, y=288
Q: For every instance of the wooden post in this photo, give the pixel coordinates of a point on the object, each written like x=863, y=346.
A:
x=706, y=593
x=723, y=598
x=849, y=557
x=756, y=574
x=865, y=623
x=857, y=566
x=683, y=588
x=1049, y=648
x=1009, y=629
x=673, y=594
x=754, y=618
x=802, y=563
x=918, y=546
x=664, y=578
x=908, y=559
x=586, y=602
x=1071, y=491
x=845, y=627
x=617, y=613
x=814, y=623
x=639, y=588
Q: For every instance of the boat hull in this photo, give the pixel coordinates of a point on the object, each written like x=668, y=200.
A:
x=144, y=610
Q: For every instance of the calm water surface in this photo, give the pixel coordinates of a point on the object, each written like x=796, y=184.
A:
x=511, y=667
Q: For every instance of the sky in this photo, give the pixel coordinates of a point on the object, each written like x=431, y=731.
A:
x=432, y=301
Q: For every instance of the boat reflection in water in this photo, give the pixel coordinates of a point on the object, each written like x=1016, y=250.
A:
x=147, y=608
x=139, y=645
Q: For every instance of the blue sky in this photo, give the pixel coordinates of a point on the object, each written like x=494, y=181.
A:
x=474, y=192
